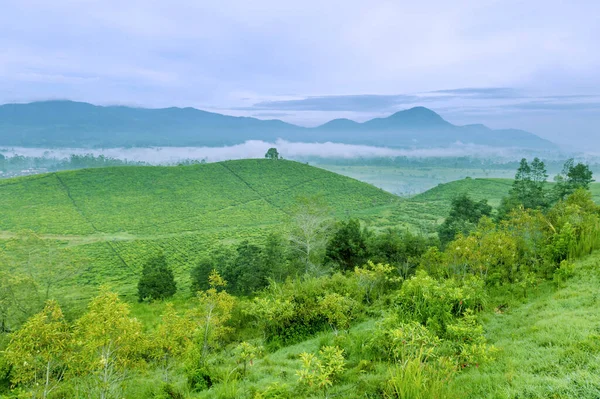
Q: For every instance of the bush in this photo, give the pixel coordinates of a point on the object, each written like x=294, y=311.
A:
x=157, y=281
x=435, y=304
x=167, y=391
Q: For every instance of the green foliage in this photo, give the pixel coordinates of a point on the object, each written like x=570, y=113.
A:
x=295, y=309
x=348, y=245
x=321, y=372
x=157, y=281
x=463, y=218
x=435, y=304
x=565, y=271
x=375, y=279
x=108, y=342
x=40, y=351
x=401, y=249
x=248, y=272
x=573, y=177
x=114, y=219
x=398, y=342
x=211, y=313
x=414, y=379
x=272, y=153
x=246, y=353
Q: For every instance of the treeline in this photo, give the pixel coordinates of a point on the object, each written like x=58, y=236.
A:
x=17, y=163
x=462, y=162
x=419, y=298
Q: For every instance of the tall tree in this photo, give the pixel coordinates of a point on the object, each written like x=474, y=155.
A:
x=529, y=183
x=40, y=351
x=309, y=233
x=157, y=281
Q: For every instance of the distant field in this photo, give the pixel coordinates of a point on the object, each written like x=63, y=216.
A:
x=409, y=181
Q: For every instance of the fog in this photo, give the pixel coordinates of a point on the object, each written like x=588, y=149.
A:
x=288, y=150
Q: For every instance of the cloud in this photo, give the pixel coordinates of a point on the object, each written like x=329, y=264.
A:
x=360, y=102
x=555, y=106
x=257, y=149
x=483, y=92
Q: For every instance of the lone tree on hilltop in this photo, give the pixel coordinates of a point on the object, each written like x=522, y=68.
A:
x=272, y=153
x=157, y=281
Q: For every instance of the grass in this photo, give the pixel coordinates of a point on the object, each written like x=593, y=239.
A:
x=549, y=345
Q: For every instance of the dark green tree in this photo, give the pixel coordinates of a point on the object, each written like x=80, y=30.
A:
x=348, y=245
x=528, y=189
x=199, y=274
x=157, y=281
x=248, y=273
x=275, y=256
x=572, y=177
x=529, y=183
x=463, y=218
x=272, y=153
x=399, y=248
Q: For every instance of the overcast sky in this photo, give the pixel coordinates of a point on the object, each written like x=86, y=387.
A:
x=532, y=64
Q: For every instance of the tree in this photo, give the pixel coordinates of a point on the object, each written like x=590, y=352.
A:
x=572, y=177
x=109, y=342
x=157, y=281
x=247, y=273
x=528, y=186
x=18, y=299
x=45, y=263
x=463, y=218
x=213, y=311
x=199, y=274
x=309, y=232
x=272, y=153
x=275, y=257
x=172, y=339
x=39, y=352
x=348, y=245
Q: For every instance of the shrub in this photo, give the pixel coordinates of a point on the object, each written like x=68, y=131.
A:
x=414, y=379
x=396, y=341
x=321, y=372
x=436, y=303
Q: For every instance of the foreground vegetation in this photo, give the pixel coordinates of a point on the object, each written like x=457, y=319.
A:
x=333, y=309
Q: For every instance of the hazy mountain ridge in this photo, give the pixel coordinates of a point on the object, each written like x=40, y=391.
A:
x=76, y=124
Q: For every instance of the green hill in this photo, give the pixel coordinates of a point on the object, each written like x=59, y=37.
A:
x=119, y=216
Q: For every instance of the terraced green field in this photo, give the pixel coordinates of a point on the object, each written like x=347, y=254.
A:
x=120, y=216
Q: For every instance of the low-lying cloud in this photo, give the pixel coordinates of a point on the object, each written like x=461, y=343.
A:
x=257, y=149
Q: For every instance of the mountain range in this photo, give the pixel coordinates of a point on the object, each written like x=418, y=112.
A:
x=77, y=124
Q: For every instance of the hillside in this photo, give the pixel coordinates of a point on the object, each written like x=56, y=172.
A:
x=549, y=345
x=119, y=216
x=74, y=124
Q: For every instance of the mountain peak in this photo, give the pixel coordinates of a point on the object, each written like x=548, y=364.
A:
x=418, y=115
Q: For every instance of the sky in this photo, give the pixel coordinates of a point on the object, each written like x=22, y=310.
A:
x=521, y=64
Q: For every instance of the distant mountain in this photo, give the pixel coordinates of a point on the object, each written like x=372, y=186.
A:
x=76, y=124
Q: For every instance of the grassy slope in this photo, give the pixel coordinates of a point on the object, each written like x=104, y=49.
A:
x=115, y=217
x=549, y=345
